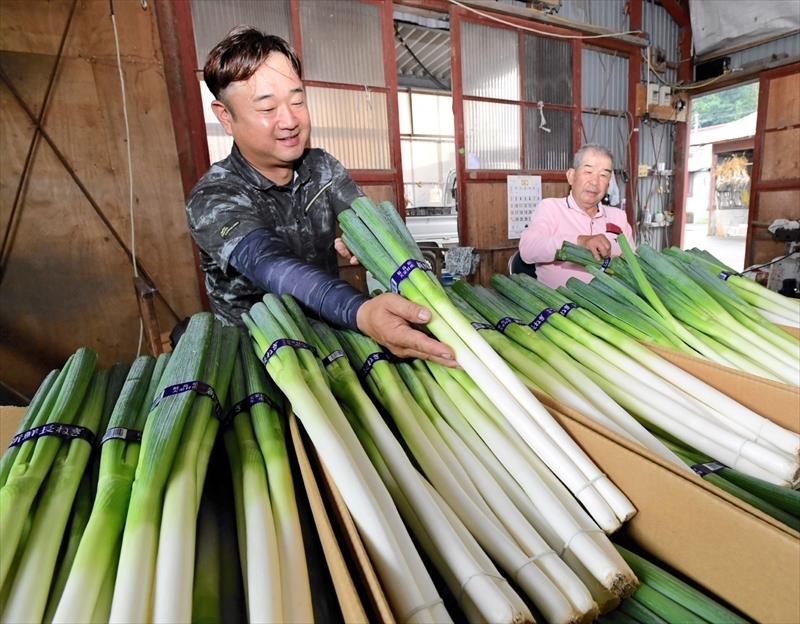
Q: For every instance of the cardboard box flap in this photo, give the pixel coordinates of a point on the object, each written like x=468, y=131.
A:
x=746, y=558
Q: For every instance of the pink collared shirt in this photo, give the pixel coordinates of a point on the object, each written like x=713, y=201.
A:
x=559, y=219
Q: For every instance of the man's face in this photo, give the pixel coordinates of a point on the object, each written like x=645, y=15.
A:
x=267, y=117
x=590, y=180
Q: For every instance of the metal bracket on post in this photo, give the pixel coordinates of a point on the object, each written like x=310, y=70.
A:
x=145, y=297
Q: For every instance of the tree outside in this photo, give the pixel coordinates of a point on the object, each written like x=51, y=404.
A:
x=724, y=106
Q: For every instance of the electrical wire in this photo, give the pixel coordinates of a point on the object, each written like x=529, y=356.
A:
x=755, y=267
x=680, y=87
x=499, y=20
x=130, y=166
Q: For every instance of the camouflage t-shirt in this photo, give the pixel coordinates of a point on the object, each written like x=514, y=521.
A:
x=233, y=200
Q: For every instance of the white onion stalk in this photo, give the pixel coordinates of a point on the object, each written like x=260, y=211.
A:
x=379, y=537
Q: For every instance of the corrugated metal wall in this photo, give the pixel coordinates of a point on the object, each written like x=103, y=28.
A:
x=342, y=42
x=606, y=13
x=213, y=19
x=781, y=48
x=494, y=75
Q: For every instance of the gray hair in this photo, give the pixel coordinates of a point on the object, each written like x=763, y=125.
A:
x=591, y=147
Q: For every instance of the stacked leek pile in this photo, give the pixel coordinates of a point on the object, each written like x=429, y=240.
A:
x=377, y=236
x=608, y=376
x=690, y=302
x=480, y=495
x=99, y=512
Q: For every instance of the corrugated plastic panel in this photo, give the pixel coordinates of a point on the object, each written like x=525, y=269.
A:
x=548, y=151
x=213, y=19
x=609, y=131
x=789, y=46
x=604, y=79
x=352, y=125
x=342, y=42
x=494, y=75
x=547, y=70
x=663, y=33
x=219, y=142
x=492, y=135
x=606, y=13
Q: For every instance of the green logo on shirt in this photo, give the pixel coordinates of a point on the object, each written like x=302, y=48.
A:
x=228, y=229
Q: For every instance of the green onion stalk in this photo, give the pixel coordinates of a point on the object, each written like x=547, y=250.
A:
x=98, y=551
x=695, y=307
x=439, y=395
x=380, y=537
x=547, y=373
x=484, y=594
x=479, y=359
x=28, y=598
x=668, y=379
x=635, y=278
x=269, y=427
x=39, y=407
x=264, y=579
x=163, y=430
x=172, y=600
x=740, y=309
x=33, y=460
x=557, y=351
x=710, y=401
x=602, y=571
x=451, y=479
x=624, y=372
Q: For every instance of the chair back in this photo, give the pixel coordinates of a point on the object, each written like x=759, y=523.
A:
x=518, y=265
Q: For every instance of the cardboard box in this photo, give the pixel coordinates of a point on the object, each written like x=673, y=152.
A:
x=736, y=552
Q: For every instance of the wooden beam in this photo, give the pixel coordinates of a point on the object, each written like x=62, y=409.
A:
x=677, y=12
x=681, y=150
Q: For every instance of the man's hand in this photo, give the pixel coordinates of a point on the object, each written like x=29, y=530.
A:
x=344, y=252
x=598, y=244
x=388, y=319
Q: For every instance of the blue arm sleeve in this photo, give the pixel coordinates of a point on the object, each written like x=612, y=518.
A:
x=264, y=259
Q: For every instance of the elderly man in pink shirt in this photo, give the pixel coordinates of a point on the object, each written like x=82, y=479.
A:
x=578, y=218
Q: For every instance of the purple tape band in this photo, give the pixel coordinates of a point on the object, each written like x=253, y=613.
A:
x=121, y=433
x=723, y=275
x=536, y=323
x=480, y=326
x=248, y=402
x=332, y=356
x=200, y=387
x=404, y=271
x=65, y=432
x=567, y=308
x=505, y=322
x=605, y=264
x=286, y=342
x=372, y=359
x=709, y=468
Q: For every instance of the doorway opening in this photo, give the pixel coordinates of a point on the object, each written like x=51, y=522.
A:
x=721, y=142
x=427, y=125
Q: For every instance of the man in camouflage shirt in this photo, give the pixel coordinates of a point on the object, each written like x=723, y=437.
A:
x=265, y=217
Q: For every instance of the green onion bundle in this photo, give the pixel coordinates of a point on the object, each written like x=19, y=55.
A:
x=298, y=373
x=379, y=239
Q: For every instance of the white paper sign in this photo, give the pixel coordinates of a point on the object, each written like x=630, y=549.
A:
x=524, y=194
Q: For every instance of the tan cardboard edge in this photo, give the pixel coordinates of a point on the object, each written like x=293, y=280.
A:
x=559, y=410
x=794, y=331
x=782, y=408
x=366, y=572
x=10, y=417
x=349, y=601
x=732, y=552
